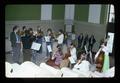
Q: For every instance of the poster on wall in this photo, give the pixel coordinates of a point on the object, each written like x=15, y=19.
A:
x=110, y=42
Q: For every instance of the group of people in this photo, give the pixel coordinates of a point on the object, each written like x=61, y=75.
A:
x=83, y=40
x=24, y=39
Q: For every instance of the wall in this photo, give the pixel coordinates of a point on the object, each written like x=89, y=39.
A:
x=33, y=12
x=81, y=12
x=98, y=30
x=58, y=12
x=22, y=12
x=55, y=25
x=30, y=15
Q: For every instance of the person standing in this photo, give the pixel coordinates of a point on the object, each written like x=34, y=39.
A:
x=60, y=38
x=85, y=41
x=27, y=52
x=23, y=31
x=48, y=39
x=73, y=54
x=91, y=43
x=39, y=38
x=80, y=40
x=16, y=44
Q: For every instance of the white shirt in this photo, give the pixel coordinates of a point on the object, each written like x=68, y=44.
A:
x=73, y=56
x=60, y=39
x=47, y=38
x=83, y=66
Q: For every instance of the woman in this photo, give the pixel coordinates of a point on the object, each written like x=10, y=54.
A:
x=58, y=56
x=73, y=56
x=82, y=65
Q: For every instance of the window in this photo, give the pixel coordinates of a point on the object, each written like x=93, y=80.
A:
x=111, y=14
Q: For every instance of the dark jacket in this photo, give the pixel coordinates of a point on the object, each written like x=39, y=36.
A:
x=80, y=38
x=92, y=40
x=13, y=39
x=26, y=42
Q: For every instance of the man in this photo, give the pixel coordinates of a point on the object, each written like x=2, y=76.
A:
x=80, y=40
x=16, y=44
x=27, y=52
x=85, y=41
x=91, y=43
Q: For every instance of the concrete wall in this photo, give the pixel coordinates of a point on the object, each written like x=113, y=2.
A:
x=98, y=30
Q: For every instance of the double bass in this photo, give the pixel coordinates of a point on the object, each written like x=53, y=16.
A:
x=99, y=61
x=67, y=54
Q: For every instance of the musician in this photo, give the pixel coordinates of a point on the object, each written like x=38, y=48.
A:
x=73, y=54
x=82, y=65
x=27, y=52
x=49, y=40
x=58, y=56
x=60, y=38
x=65, y=38
x=23, y=31
x=39, y=37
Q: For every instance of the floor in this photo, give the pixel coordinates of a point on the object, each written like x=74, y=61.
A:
x=42, y=57
x=39, y=57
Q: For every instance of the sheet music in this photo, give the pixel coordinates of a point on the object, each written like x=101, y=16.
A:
x=49, y=48
x=35, y=46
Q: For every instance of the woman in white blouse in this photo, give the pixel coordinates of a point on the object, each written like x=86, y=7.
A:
x=60, y=38
x=73, y=56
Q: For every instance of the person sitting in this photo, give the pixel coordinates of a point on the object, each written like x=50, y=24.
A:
x=39, y=37
x=58, y=56
x=56, y=59
x=82, y=65
x=73, y=56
